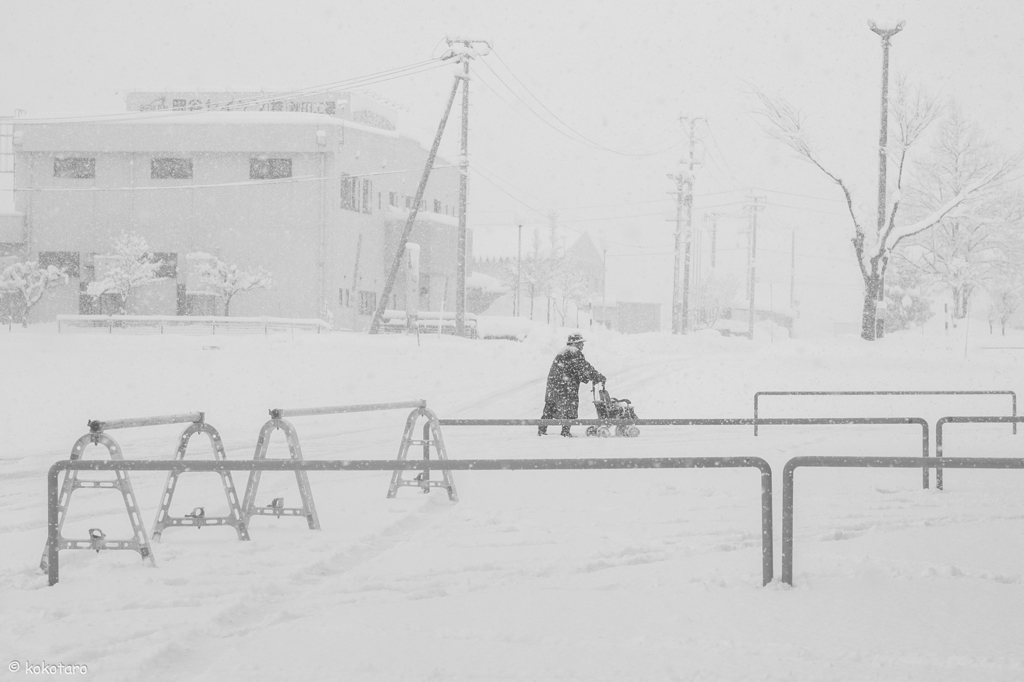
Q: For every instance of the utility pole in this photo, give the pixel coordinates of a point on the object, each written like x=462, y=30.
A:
x=604, y=290
x=464, y=48
x=519, y=268
x=885, y=35
x=792, y=271
x=684, y=198
x=754, y=206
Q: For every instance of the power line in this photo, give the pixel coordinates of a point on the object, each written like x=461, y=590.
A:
x=579, y=138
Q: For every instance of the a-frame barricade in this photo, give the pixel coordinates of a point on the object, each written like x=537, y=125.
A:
x=97, y=540
x=431, y=438
x=198, y=517
x=276, y=507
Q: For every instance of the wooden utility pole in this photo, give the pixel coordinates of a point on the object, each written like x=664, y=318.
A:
x=683, y=237
x=460, y=265
x=466, y=51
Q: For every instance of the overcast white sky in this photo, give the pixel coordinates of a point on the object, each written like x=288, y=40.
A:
x=618, y=73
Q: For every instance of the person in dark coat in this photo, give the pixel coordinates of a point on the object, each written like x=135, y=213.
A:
x=568, y=371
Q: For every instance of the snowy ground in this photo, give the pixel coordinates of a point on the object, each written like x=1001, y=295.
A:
x=569, y=575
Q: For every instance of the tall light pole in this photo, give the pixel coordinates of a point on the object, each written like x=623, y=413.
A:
x=885, y=34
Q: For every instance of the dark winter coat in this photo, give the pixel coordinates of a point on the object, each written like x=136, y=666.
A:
x=567, y=372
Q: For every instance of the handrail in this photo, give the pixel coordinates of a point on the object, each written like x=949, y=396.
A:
x=796, y=421
x=867, y=462
x=965, y=420
x=761, y=393
x=767, y=539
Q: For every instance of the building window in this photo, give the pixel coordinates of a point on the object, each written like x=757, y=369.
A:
x=171, y=169
x=367, y=193
x=393, y=199
x=408, y=203
x=167, y=264
x=437, y=205
x=75, y=167
x=367, y=302
x=348, y=193
x=67, y=261
x=270, y=169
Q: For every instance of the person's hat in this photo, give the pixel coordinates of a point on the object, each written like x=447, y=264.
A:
x=574, y=339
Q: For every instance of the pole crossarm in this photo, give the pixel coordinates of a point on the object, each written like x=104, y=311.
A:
x=181, y=466
x=96, y=425
x=281, y=413
x=868, y=462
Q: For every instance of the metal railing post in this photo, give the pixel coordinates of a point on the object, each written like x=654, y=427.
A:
x=788, y=484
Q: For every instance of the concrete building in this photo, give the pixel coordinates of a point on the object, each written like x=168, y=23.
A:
x=314, y=191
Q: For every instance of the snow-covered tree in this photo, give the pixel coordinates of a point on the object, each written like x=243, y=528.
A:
x=32, y=282
x=713, y=295
x=130, y=267
x=912, y=113
x=227, y=280
x=906, y=295
x=966, y=248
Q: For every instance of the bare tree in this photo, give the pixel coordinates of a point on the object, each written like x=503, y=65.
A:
x=913, y=112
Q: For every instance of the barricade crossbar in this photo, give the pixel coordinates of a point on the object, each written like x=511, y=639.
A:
x=280, y=413
x=966, y=420
x=181, y=466
x=97, y=425
x=868, y=462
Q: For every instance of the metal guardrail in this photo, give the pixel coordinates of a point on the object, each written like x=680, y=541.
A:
x=965, y=420
x=822, y=393
x=822, y=421
x=867, y=462
x=767, y=538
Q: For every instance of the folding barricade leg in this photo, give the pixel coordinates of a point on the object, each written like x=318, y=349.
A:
x=431, y=437
x=276, y=507
x=198, y=517
x=97, y=539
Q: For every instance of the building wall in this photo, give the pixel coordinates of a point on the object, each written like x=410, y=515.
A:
x=297, y=229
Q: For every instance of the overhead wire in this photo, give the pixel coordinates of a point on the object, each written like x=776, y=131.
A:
x=575, y=136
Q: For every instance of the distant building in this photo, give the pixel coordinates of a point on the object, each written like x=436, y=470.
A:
x=315, y=191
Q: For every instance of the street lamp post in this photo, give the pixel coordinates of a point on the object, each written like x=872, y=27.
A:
x=885, y=35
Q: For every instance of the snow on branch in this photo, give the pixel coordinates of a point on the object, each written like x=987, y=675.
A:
x=226, y=280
